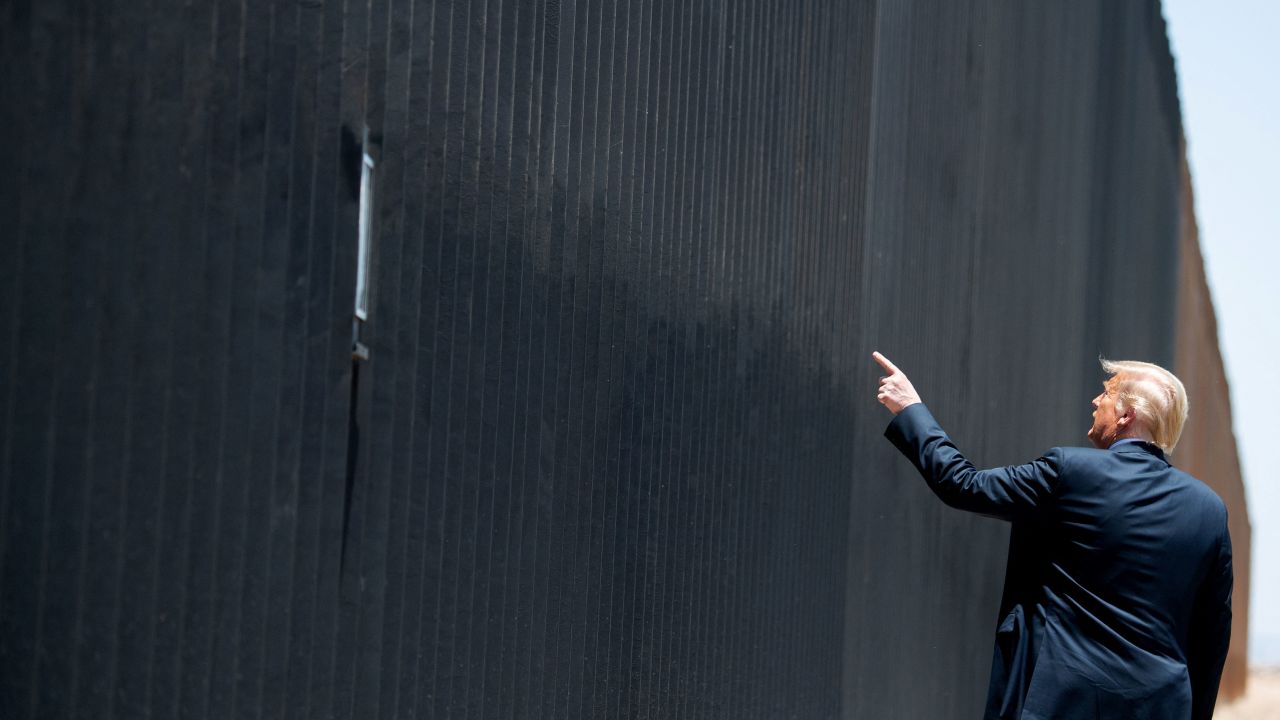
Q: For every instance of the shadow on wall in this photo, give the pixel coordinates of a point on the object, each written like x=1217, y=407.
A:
x=630, y=497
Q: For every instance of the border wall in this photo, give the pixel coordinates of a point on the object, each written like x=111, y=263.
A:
x=608, y=444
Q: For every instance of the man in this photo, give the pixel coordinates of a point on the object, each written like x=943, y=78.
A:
x=1117, y=597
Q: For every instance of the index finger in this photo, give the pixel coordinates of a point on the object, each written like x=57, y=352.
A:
x=884, y=362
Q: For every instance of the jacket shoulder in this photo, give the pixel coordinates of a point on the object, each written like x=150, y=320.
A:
x=1076, y=458
x=1084, y=461
x=1199, y=489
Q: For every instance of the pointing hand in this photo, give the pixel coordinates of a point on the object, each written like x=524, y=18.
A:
x=896, y=391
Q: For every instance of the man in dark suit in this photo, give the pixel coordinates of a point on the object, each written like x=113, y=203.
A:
x=1117, y=597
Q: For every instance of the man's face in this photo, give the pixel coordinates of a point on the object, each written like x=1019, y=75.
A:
x=1106, y=422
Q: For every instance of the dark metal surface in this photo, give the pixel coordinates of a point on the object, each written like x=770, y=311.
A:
x=614, y=451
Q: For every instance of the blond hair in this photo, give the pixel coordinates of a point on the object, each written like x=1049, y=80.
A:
x=1156, y=395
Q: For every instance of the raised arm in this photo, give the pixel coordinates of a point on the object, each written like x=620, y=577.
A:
x=1009, y=493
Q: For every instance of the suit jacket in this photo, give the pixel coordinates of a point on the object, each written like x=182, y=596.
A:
x=1117, y=596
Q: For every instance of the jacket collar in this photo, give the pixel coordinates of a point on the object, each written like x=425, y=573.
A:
x=1141, y=447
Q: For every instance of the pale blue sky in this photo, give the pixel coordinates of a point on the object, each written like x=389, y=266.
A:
x=1228, y=56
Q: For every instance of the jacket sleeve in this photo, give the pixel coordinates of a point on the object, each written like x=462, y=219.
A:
x=1210, y=632
x=1017, y=492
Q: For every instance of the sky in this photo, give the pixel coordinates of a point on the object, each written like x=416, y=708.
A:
x=1227, y=57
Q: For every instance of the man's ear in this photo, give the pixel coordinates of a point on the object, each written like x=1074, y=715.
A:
x=1126, y=418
